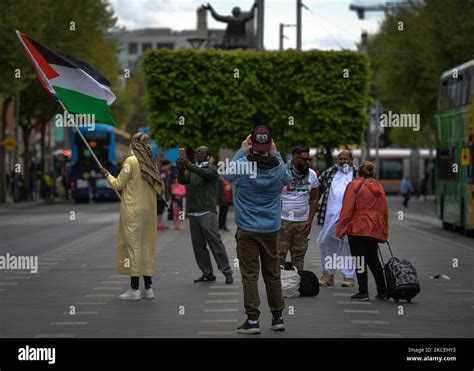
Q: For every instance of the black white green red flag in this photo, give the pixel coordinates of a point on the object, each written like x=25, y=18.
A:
x=81, y=88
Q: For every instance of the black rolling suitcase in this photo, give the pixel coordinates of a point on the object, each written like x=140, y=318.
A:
x=401, y=278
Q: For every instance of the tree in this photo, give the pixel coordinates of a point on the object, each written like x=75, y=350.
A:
x=414, y=45
x=77, y=27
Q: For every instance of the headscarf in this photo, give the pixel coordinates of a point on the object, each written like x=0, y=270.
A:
x=149, y=169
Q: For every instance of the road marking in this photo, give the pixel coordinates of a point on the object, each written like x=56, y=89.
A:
x=107, y=288
x=460, y=291
x=99, y=296
x=226, y=287
x=447, y=284
x=223, y=293
x=90, y=303
x=375, y=334
x=68, y=323
x=23, y=272
x=207, y=333
x=361, y=311
x=355, y=302
x=53, y=258
x=221, y=301
x=117, y=282
x=368, y=322
x=220, y=310
x=78, y=313
x=117, y=276
x=18, y=278
x=218, y=321
x=340, y=294
x=55, y=336
x=8, y=283
x=47, y=263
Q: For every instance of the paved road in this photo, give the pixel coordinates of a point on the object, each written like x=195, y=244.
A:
x=76, y=249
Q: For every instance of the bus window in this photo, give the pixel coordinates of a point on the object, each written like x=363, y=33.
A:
x=391, y=169
x=444, y=164
x=466, y=91
x=470, y=168
x=452, y=92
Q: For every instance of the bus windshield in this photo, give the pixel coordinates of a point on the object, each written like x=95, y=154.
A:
x=99, y=143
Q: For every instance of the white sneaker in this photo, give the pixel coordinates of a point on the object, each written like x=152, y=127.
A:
x=148, y=293
x=131, y=295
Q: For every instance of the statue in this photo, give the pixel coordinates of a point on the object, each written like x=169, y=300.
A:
x=235, y=36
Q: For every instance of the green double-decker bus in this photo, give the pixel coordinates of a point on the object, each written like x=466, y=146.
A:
x=454, y=149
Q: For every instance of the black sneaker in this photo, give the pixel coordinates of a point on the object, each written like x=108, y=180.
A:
x=249, y=328
x=228, y=279
x=206, y=278
x=278, y=325
x=382, y=297
x=360, y=297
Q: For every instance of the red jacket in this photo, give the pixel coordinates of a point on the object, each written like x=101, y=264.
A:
x=365, y=213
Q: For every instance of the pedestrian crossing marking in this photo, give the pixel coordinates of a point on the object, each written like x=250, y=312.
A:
x=55, y=336
x=68, y=323
x=218, y=321
x=369, y=322
x=355, y=302
x=223, y=293
x=361, y=311
x=221, y=301
x=383, y=334
x=220, y=310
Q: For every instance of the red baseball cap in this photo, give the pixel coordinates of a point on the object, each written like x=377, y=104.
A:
x=261, y=139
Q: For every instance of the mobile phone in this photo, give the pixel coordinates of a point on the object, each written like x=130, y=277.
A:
x=182, y=153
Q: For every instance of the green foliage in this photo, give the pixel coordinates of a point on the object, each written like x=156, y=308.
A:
x=407, y=64
x=222, y=95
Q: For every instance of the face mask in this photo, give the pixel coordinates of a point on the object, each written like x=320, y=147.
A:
x=345, y=168
x=302, y=169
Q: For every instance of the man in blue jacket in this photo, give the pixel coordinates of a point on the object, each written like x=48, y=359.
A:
x=257, y=207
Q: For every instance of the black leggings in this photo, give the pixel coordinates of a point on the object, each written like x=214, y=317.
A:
x=366, y=247
x=135, y=282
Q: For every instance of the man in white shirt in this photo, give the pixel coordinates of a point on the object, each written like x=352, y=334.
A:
x=299, y=201
x=334, y=181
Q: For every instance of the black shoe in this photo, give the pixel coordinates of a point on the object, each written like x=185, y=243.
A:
x=382, y=297
x=228, y=279
x=360, y=297
x=278, y=325
x=206, y=278
x=249, y=328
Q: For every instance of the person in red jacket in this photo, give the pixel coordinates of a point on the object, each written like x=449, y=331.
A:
x=364, y=218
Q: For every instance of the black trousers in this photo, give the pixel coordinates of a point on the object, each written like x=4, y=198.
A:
x=223, y=216
x=135, y=282
x=366, y=248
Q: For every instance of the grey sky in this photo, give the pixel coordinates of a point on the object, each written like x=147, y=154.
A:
x=328, y=25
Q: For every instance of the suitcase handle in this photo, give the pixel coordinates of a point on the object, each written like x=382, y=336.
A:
x=389, y=248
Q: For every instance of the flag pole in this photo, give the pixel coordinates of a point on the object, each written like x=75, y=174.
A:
x=58, y=99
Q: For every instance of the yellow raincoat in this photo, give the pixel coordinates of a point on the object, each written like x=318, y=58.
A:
x=136, y=245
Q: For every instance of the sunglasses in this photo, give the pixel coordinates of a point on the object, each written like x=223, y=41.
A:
x=306, y=159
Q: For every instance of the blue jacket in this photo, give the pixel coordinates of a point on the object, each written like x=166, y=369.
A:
x=257, y=200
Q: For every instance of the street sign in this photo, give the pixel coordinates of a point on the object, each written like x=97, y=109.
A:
x=9, y=143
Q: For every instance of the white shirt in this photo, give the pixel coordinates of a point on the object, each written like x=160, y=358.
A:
x=334, y=205
x=295, y=198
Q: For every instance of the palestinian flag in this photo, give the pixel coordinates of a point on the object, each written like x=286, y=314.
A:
x=81, y=88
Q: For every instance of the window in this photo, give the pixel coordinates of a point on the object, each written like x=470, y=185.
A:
x=165, y=46
x=132, y=48
x=467, y=88
x=145, y=46
x=444, y=162
x=391, y=169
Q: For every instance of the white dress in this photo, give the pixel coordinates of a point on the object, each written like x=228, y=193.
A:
x=334, y=205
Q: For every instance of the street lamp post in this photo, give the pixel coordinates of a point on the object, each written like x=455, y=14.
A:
x=282, y=33
x=299, y=5
x=260, y=23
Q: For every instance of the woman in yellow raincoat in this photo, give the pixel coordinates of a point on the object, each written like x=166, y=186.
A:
x=140, y=181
